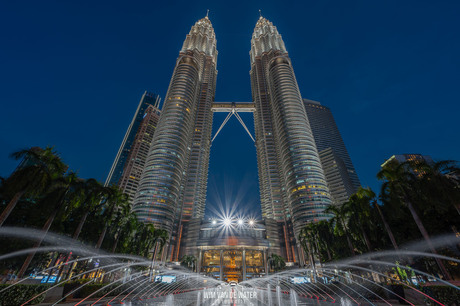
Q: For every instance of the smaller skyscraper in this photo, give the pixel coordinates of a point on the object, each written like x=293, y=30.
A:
x=337, y=177
x=135, y=162
x=119, y=163
x=340, y=173
x=412, y=158
x=401, y=158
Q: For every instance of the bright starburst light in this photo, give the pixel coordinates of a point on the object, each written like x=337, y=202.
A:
x=227, y=222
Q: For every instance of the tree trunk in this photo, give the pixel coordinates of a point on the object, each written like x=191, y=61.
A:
x=9, y=208
x=366, y=238
x=318, y=249
x=80, y=226
x=328, y=253
x=310, y=253
x=101, y=237
x=387, y=228
x=154, y=255
x=155, y=250
x=116, y=242
x=29, y=258
x=350, y=245
x=104, y=231
x=425, y=235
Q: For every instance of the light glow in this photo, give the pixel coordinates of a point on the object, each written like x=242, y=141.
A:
x=240, y=222
x=227, y=222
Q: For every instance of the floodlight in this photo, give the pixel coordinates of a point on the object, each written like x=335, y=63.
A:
x=214, y=222
x=251, y=222
x=240, y=222
x=227, y=221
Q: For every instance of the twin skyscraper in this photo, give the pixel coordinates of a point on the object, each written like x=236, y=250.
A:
x=171, y=193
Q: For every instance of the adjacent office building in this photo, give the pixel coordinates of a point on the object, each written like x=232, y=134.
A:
x=339, y=170
x=337, y=176
x=134, y=165
x=402, y=158
x=119, y=163
x=411, y=158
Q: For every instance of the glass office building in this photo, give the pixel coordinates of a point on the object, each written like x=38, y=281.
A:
x=340, y=173
x=116, y=171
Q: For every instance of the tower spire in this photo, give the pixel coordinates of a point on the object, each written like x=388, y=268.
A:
x=207, y=13
x=260, y=13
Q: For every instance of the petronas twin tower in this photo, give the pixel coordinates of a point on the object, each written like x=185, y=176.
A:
x=172, y=189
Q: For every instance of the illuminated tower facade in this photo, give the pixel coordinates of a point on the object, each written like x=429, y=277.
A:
x=292, y=182
x=172, y=188
x=340, y=173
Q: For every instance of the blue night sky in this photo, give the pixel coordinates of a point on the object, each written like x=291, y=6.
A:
x=72, y=74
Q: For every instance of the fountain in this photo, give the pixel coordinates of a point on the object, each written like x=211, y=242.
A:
x=293, y=295
x=384, y=277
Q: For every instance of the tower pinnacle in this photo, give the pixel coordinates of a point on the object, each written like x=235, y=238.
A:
x=260, y=13
x=207, y=13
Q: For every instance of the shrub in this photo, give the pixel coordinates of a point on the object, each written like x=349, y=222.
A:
x=443, y=294
x=19, y=294
x=89, y=289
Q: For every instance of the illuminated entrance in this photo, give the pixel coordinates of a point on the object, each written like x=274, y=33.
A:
x=232, y=254
x=233, y=265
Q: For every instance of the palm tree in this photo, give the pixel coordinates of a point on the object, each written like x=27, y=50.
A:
x=308, y=239
x=160, y=238
x=146, y=239
x=60, y=188
x=369, y=196
x=115, y=200
x=303, y=240
x=359, y=207
x=401, y=181
x=124, y=217
x=39, y=167
x=340, y=220
x=277, y=263
x=89, y=196
x=325, y=237
x=441, y=183
x=189, y=261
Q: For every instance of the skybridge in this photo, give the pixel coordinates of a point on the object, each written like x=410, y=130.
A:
x=233, y=108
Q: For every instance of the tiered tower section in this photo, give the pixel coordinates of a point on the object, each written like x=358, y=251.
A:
x=292, y=181
x=202, y=42
x=173, y=184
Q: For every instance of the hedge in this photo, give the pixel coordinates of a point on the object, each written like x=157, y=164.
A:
x=90, y=288
x=19, y=294
x=443, y=294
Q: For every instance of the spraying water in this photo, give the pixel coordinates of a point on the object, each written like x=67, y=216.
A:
x=122, y=279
